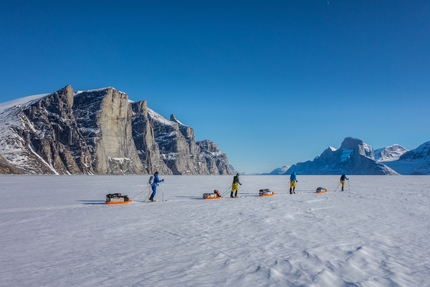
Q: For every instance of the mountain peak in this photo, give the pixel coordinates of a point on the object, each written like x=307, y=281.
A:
x=351, y=143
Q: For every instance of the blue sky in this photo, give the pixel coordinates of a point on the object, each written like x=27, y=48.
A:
x=272, y=83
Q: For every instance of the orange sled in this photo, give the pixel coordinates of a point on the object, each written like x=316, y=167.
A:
x=117, y=198
x=212, y=196
x=123, y=202
x=321, y=190
x=265, y=192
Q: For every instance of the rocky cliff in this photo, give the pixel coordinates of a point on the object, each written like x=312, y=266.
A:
x=101, y=132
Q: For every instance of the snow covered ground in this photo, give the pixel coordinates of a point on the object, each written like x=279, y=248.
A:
x=57, y=231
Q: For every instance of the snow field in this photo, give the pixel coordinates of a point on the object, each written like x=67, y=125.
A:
x=57, y=231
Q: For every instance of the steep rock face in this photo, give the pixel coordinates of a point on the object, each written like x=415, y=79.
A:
x=144, y=140
x=353, y=157
x=179, y=150
x=105, y=118
x=99, y=132
x=216, y=160
x=48, y=135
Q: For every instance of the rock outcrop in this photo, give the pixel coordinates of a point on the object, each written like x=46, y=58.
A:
x=8, y=168
x=216, y=160
x=100, y=132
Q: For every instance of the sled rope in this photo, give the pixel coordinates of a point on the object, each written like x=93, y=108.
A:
x=226, y=192
x=141, y=192
x=283, y=189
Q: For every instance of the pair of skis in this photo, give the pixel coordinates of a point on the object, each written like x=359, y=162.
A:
x=150, y=191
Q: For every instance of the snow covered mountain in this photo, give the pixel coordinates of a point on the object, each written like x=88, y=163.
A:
x=280, y=170
x=99, y=132
x=389, y=153
x=353, y=157
x=413, y=162
x=356, y=157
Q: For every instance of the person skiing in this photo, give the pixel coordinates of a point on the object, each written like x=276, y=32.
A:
x=235, y=185
x=293, y=180
x=342, y=181
x=154, y=185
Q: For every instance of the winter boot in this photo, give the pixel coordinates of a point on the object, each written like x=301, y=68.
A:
x=291, y=190
x=231, y=194
x=235, y=195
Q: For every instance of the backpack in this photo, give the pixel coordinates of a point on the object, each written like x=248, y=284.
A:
x=151, y=180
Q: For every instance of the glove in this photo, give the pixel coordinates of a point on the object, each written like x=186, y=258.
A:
x=162, y=180
x=240, y=183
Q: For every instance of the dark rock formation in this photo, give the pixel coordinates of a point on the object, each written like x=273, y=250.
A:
x=101, y=132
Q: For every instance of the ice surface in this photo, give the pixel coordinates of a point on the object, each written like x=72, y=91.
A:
x=57, y=231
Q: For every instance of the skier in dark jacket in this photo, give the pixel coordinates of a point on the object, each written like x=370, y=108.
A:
x=342, y=181
x=154, y=185
x=293, y=180
x=235, y=185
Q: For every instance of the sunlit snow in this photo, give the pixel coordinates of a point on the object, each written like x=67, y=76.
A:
x=57, y=231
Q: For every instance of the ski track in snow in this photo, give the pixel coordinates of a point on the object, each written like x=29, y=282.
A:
x=57, y=231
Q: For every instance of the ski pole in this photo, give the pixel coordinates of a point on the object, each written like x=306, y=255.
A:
x=148, y=194
x=336, y=187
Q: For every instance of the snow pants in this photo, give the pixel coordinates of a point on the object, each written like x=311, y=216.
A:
x=234, y=187
x=154, y=190
x=292, y=183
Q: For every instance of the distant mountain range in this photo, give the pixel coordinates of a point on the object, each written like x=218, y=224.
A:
x=356, y=157
x=280, y=170
x=99, y=132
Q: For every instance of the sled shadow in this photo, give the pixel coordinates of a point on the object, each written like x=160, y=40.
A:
x=92, y=202
x=187, y=196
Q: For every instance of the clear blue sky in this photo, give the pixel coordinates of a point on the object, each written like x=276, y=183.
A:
x=272, y=83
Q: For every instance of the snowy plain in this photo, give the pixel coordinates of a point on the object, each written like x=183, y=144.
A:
x=57, y=231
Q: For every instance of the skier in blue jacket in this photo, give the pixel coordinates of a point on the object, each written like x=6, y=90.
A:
x=293, y=180
x=154, y=185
